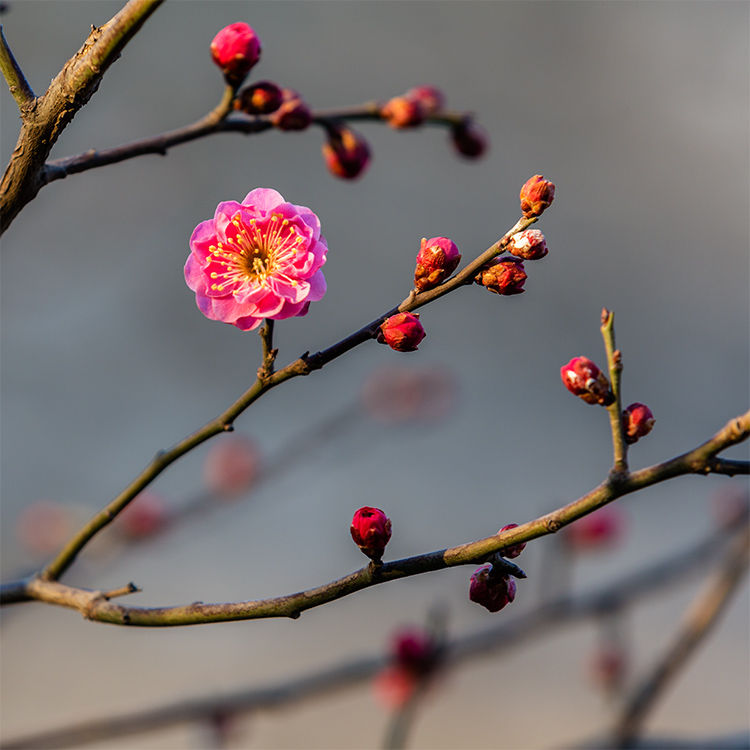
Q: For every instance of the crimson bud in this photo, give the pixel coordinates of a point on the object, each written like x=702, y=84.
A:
x=293, y=113
x=504, y=276
x=429, y=98
x=528, y=245
x=637, y=422
x=469, y=139
x=536, y=195
x=437, y=259
x=261, y=98
x=492, y=591
x=402, y=332
x=585, y=380
x=401, y=112
x=371, y=531
x=515, y=549
x=235, y=49
x=346, y=152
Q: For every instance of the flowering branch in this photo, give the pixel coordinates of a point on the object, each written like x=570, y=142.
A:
x=95, y=607
x=511, y=632
x=44, y=118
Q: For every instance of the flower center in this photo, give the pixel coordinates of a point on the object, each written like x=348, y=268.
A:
x=262, y=248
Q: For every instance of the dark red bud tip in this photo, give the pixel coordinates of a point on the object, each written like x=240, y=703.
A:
x=504, y=276
x=469, y=139
x=261, y=98
x=515, y=549
x=402, y=332
x=585, y=380
x=491, y=591
x=371, y=531
x=536, y=195
x=437, y=259
x=236, y=49
x=345, y=152
x=637, y=422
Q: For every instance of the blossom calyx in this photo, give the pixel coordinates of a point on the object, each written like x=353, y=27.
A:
x=261, y=258
x=536, y=195
x=437, y=259
x=261, y=98
x=236, y=49
x=469, y=139
x=371, y=531
x=515, y=549
x=402, y=112
x=345, y=152
x=293, y=112
x=585, y=380
x=637, y=422
x=490, y=590
x=402, y=332
x=528, y=245
x=504, y=276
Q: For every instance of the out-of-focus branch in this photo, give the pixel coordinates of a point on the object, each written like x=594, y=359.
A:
x=44, y=118
x=95, y=607
x=702, y=615
x=546, y=617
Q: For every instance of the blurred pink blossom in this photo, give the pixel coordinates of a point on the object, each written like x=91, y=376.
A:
x=232, y=466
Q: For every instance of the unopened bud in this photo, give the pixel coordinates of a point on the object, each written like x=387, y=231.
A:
x=437, y=259
x=371, y=531
x=402, y=332
x=515, y=549
x=504, y=276
x=429, y=98
x=235, y=49
x=346, y=152
x=492, y=591
x=469, y=139
x=536, y=195
x=637, y=422
x=585, y=380
x=528, y=245
x=261, y=98
x=401, y=112
x=293, y=113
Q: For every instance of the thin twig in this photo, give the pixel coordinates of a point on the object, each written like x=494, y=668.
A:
x=614, y=364
x=16, y=80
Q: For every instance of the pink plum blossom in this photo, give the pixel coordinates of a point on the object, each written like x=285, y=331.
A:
x=257, y=259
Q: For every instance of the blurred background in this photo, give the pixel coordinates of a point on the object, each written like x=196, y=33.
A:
x=638, y=112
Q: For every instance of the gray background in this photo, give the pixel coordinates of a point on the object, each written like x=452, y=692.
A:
x=638, y=112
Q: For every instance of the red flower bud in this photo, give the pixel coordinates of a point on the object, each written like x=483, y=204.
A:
x=401, y=112
x=261, y=98
x=235, y=49
x=293, y=113
x=346, y=153
x=371, y=531
x=637, y=422
x=504, y=276
x=491, y=591
x=585, y=380
x=536, y=195
x=598, y=530
x=528, y=245
x=469, y=139
x=437, y=259
x=402, y=332
x=515, y=549
x=429, y=98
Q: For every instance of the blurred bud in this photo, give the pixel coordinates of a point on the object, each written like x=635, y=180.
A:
x=437, y=259
x=293, y=113
x=528, y=245
x=394, y=686
x=504, y=276
x=402, y=332
x=608, y=667
x=637, y=422
x=261, y=98
x=401, y=112
x=146, y=515
x=235, y=49
x=597, y=531
x=469, y=139
x=45, y=526
x=429, y=98
x=492, y=591
x=730, y=505
x=414, y=650
x=536, y=195
x=393, y=395
x=371, y=531
x=515, y=549
x=232, y=465
x=585, y=380
x=346, y=152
